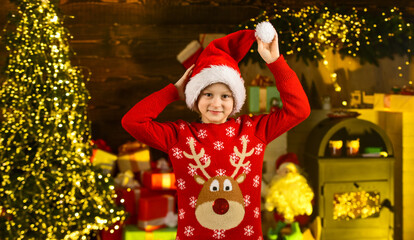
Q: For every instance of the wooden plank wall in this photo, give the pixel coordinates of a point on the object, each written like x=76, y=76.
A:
x=130, y=51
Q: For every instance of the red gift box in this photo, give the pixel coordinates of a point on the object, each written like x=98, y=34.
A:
x=159, y=180
x=153, y=210
x=112, y=233
x=129, y=199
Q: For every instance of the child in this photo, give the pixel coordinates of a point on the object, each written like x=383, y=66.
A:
x=218, y=161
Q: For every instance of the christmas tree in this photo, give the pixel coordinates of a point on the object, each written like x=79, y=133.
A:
x=48, y=187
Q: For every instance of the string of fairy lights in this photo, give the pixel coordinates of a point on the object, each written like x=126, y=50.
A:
x=366, y=34
x=48, y=189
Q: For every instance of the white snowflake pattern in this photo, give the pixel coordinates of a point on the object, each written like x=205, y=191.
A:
x=234, y=157
x=181, y=183
x=193, y=201
x=245, y=137
x=248, y=230
x=260, y=238
x=218, y=145
x=230, y=131
x=248, y=123
x=192, y=171
x=177, y=153
x=202, y=133
x=256, y=212
x=247, y=200
x=182, y=126
x=205, y=158
x=238, y=120
x=220, y=172
x=256, y=181
x=189, y=139
x=247, y=168
x=181, y=213
x=189, y=231
x=258, y=149
x=219, y=234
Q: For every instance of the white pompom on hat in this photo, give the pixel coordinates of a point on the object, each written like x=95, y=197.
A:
x=265, y=31
x=218, y=63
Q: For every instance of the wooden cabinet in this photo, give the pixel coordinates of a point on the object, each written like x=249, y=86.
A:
x=350, y=189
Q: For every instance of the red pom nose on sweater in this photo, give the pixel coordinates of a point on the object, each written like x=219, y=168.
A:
x=220, y=206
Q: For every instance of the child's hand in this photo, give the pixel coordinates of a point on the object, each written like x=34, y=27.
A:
x=269, y=51
x=180, y=84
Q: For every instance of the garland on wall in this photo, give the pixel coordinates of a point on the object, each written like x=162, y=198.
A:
x=359, y=33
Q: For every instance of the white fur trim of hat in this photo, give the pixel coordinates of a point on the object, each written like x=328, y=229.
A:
x=216, y=74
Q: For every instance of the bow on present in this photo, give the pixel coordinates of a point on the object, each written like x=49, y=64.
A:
x=126, y=180
x=130, y=147
x=171, y=219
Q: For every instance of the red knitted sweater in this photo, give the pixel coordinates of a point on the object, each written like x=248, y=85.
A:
x=218, y=167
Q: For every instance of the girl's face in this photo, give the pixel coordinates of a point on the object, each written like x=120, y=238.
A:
x=215, y=103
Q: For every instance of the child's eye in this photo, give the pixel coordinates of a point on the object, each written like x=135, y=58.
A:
x=208, y=94
x=226, y=96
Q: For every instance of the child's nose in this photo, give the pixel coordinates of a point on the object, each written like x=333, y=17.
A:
x=216, y=101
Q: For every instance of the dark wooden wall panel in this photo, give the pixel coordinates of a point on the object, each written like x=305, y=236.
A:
x=129, y=51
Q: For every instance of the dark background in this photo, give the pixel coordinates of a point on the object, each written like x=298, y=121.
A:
x=129, y=47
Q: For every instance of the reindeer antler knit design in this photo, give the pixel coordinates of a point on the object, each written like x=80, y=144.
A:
x=196, y=158
x=241, y=155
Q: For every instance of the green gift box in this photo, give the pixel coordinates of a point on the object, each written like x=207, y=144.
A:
x=131, y=232
x=260, y=98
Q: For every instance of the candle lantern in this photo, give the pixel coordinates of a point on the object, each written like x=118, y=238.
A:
x=335, y=148
x=352, y=147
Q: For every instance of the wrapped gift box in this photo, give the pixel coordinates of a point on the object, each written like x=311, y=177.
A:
x=129, y=199
x=135, y=162
x=112, y=233
x=188, y=56
x=393, y=102
x=260, y=98
x=153, y=211
x=158, y=180
x=103, y=159
x=133, y=233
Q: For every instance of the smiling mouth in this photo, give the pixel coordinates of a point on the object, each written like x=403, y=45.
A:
x=215, y=112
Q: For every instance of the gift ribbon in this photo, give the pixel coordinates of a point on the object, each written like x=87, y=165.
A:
x=166, y=180
x=159, y=180
x=262, y=99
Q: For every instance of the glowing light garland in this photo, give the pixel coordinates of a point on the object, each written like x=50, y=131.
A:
x=48, y=187
x=368, y=35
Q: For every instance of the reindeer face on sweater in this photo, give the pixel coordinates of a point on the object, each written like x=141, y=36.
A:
x=220, y=203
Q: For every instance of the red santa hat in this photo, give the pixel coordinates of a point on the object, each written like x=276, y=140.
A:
x=218, y=63
x=287, y=158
